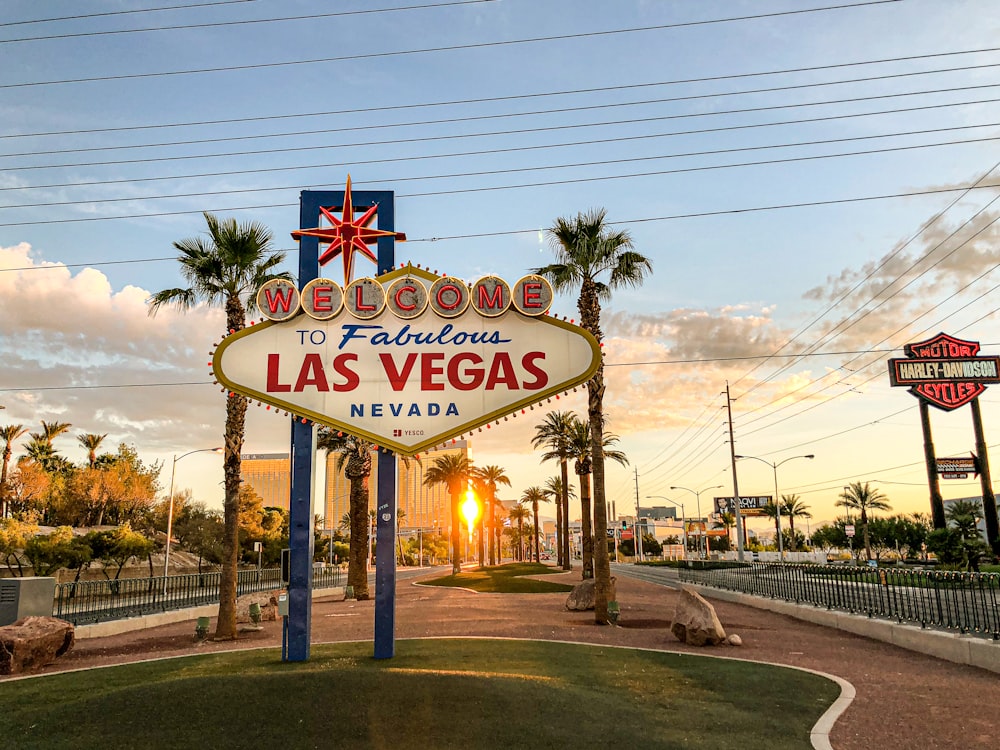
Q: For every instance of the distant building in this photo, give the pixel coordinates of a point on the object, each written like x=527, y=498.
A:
x=419, y=506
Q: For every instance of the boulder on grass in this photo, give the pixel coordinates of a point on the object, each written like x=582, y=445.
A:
x=695, y=621
x=581, y=598
x=33, y=642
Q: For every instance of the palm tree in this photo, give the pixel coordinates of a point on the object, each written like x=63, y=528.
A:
x=454, y=471
x=488, y=478
x=793, y=507
x=50, y=431
x=535, y=495
x=226, y=270
x=863, y=498
x=552, y=434
x=587, y=249
x=355, y=460
x=9, y=433
x=726, y=521
x=554, y=489
x=91, y=443
x=517, y=514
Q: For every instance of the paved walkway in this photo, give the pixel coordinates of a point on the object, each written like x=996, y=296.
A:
x=904, y=700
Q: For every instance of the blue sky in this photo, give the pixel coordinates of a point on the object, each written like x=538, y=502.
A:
x=673, y=113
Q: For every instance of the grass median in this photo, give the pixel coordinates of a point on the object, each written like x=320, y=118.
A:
x=436, y=693
x=504, y=579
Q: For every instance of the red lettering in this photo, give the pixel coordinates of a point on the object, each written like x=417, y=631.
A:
x=397, y=378
x=312, y=373
x=321, y=299
x=441, y=296
x=273, y=386
x=466, y=379
x=531, y=294
x=541, y=377
x=428, y=370
x=279, y=299
x=399, y=298
x=502, y=373
x=351, y=378
x=486, y=302
x=359, y=301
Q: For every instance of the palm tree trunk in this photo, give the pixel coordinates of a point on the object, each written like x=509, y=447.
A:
x=567, y=563
x=534, y=508
x=491, y=526
x=481, y=543
x=864, y=529
x=559, y=531
x=225, y=628
x=456, y=536
x=586, y=528
x=357, y=558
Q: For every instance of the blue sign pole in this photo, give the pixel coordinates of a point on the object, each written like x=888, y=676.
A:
x=300, y=500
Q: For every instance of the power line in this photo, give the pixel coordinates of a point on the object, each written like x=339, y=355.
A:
x=447, y=48
x=123, y=12
x=577, y=165
x=568, y=92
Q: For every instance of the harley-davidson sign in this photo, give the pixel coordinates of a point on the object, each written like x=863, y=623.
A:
x=407, y=360
x=945, y=371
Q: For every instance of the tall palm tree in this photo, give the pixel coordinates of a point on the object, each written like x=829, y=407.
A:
x=91, y=443
x=535, y=495
x=792, y=507
x=554, y=489
x=226, y=270
x=50, y=431
x=517, y=514
x=454, y=471
x=489, y=477
x=553, y=433
x=355, y=460
x=8, y=433
x=588, y=250
x=863, y=498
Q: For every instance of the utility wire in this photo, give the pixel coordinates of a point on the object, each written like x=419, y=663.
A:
x=123, y=12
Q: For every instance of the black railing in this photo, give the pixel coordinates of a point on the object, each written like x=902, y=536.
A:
x=87, y=602
x=966, y=602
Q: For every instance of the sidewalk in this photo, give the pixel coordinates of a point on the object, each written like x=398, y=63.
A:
x=904, y=699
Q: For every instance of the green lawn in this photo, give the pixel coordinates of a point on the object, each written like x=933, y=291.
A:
x=504, y=579
x=461, y=693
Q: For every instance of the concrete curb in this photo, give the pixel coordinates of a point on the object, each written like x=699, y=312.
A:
x=974, y=651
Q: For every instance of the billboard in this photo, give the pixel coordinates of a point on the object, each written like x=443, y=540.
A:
x=944, y=371
x=750, y=505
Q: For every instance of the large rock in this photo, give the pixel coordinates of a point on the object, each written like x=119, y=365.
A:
x=268, y=601
x=33, y=642
x=695, y=621
x=582, y=596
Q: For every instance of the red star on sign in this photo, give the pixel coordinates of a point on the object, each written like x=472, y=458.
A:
x=347, y=235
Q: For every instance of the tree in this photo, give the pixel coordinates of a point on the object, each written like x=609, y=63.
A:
x=517, y=514
x=200, y=532
x=792, y=507
x=488, y=478
x=535, y=495
x=8, y=433
x=47, y=553
x=863, y=498
x=116, y=547
x=556, y=490
x=586, y=250
x=14, y=536
x=354, y=458
x=91, y=443
x=553, y=434
x=50, y=431
x=226, y=270
x=454, y=471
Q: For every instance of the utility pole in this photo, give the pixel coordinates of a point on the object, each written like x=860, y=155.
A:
x=636, y=536
x=736, y=485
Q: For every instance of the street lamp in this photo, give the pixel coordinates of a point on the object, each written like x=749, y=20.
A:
x=697, y=496
x=777, y=497
x=170, y=512
x=683, y=521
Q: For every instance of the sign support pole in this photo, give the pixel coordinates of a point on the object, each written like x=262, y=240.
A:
x=983, y=461
x=937, y=502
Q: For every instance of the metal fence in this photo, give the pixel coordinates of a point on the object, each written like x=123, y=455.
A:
x=966, y=602
x=87, y=602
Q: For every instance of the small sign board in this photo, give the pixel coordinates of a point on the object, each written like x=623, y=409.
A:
x=849, y=529
x=752, y=505
x=957, y=468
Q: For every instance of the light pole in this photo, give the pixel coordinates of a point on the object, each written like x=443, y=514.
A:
x=683, y=519
x=777, y=497
x=170, y=511
x=697, y=496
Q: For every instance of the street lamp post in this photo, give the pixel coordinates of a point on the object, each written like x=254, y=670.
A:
x=777, y=497
x=170, y=511
x=697, y=496
x=683, y=519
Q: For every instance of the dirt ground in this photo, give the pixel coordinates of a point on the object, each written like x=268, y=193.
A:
x=904, y=699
